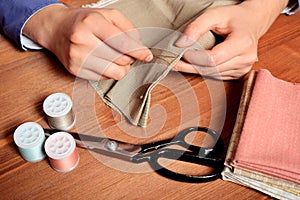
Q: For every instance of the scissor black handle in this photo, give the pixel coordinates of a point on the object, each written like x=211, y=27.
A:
x=213, y=151
x=215, y=163
x=208, y=156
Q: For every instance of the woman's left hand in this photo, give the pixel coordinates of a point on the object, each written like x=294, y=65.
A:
x=241, y=25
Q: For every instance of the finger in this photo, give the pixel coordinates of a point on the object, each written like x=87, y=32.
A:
x=105, y=68
x=230, y=70
x=219, y=54
x=90, y=75
x=238, y=63
x=106, y=52
x=120, y=41
x=126, y=45
x=122, y=23
x=196, y=29
x=199, y=57
x=204, y=59
x=102, y=50
x=229, y=75
x=185, y=67
x=235, y=45
x=235, y=73
x=233, y=69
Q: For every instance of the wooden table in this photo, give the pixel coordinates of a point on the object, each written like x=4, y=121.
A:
x=27, y=78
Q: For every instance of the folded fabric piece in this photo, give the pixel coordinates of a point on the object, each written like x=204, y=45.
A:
x=131, y=95
x=269, y=142
x=277, y=187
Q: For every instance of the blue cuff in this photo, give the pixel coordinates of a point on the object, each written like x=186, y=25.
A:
x=14, y=13
x=292, y=8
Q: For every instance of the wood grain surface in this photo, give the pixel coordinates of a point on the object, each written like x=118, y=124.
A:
x=180, y=101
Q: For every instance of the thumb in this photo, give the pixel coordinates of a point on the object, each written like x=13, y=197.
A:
x=195, y=30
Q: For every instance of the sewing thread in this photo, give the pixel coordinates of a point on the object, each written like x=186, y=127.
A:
x=29, y=138
x=58, y=108
x=62, y=153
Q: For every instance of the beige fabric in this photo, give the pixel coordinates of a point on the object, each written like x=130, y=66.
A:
x=131, y=95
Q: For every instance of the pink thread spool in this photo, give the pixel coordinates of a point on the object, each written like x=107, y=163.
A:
x=61, y=150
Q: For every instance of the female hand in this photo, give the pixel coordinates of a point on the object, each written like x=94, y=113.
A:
x=241, y=25
x=91, y=43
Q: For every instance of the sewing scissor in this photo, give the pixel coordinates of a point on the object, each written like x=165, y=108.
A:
x=207, y=156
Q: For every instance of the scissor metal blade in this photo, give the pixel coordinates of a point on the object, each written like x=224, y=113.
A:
x=104, y=146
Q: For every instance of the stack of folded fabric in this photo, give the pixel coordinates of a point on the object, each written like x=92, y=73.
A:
x=264, y=151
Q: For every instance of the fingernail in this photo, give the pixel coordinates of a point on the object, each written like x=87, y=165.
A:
x=149, y=58
x=131, y=61
x=184, y=41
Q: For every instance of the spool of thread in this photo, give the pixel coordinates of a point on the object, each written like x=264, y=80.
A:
x=30, y=139
x=62, y=153
x=58, y=108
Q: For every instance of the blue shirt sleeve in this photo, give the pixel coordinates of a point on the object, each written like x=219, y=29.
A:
x=14, y=14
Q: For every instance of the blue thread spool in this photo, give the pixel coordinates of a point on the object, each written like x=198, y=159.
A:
x=30, y=138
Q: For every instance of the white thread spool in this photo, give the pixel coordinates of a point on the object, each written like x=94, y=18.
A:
x=58, y=108
x=62, y=153
x=30, y=138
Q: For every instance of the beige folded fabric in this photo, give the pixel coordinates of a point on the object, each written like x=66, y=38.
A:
x=158, y=22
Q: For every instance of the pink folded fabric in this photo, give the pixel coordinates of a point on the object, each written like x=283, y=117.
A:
x=270, y=139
